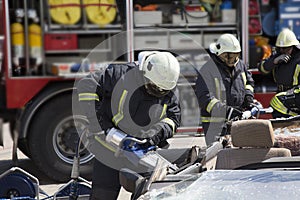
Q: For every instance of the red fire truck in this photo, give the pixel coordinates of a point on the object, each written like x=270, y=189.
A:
x=45, y=42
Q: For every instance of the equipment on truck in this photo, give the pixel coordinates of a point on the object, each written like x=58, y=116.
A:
x=65, y=12
x=18, y=39
x=100, y=12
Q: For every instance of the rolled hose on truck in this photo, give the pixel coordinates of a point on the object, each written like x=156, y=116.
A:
x=68, y=12
x=100, y=12
x=65, y=11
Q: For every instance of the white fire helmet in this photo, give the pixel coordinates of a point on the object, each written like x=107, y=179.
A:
x=287, y=38
x=226, y=43
x=161, y=68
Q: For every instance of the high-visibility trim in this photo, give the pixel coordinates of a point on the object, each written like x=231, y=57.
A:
x=244, y=78
x=262, y=69
x=297, y=90
x=88, y=97
x=249, y=87
x=212, y=119
x=98, y=139
x=218, y=89
x=163, y=111
x=170, y=122
x=119, y=116
x=211, y=104
x=296, y=75
x=278, y=105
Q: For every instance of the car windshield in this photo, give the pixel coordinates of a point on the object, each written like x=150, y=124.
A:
x=232, y=184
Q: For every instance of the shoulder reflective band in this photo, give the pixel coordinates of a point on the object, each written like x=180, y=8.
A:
x=262, y=68
x=88, y=97
x=249, y=87
x=218, y=88
x=163, y=111
x=296, y=75
x=170, y=122
x=119, y=116
x=211, y=104
x=212, y=119
x=278, y=105
x=103, y=143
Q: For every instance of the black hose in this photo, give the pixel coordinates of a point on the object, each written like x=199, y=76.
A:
x=74, y=189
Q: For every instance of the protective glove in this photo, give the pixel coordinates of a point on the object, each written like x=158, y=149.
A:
x=154, y=136
x=283, y=58
x=154, y=141
x=246, y=114
x=232, y=113
x=248, y=101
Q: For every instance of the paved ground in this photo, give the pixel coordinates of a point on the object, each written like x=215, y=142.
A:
x=50, y=187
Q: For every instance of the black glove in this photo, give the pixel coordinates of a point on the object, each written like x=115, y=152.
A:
x=248, y=101
x=232, y=113
x=283, y=58
x=154, y=136
x=150, y=142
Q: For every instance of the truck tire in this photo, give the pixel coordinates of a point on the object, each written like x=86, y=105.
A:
x=53, y=140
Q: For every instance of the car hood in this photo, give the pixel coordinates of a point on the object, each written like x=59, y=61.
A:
x=231, y=184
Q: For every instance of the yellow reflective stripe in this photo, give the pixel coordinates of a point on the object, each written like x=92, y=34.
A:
x=212, y=119
x=211, y=104
x=88, y=97
x=249, y=87
x=170, y=122
x=296, y=91
x=278, y=105
x=104, y=144
x=163, y=111
x=119, y=116
x=218, y=89
x=244, y=78
x=296, y=75
x=262, y=68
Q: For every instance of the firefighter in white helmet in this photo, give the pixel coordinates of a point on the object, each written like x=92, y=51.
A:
x=139, y=99
x=224, y=87
x=285, y=67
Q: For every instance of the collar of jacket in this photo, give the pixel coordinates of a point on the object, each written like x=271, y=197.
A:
x=224, y=68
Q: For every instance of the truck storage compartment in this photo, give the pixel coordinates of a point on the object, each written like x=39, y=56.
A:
x=61, y=42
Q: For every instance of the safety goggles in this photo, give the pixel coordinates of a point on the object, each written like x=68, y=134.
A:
x=230, y=59
x=154, y=90
x=284, y=50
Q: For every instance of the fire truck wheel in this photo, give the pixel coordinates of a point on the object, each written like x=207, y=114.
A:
x=53, y=140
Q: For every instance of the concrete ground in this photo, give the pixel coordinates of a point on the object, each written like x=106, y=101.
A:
x=49, y=186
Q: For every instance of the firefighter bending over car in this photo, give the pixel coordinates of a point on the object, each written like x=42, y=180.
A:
x=285, y=66
x=224, y=87
x=139, y=99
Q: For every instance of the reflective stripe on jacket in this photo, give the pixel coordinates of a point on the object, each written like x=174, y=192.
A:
x=121, y=101
x=218, y=87
x=286, y=75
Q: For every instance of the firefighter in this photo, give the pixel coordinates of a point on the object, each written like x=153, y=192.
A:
x=224, y=87
x=285, y=66
x=138, y=98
